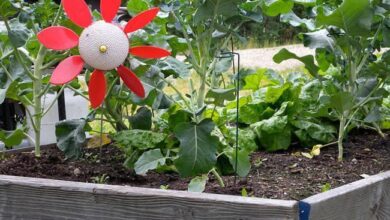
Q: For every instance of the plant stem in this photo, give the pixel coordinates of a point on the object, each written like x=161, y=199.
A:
x=29, y=138
x=218, y=177
x=37, y=90
x=9, y=75
x=53, y=102
x=78, y=92
x=188, y=40
x=120, y=126
x=340, y=140
x=202, y=93
x=177, y=92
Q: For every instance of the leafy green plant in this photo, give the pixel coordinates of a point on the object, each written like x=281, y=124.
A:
x=281, y=110
x=71, y=137
x=347, y=38
x=140, y=149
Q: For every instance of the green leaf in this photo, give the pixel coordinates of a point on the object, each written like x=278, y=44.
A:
x=251, y=11
x=386, y=32
x=296, y=21
x=223, y=65
x=142, y=120
x=198, y=184
x=251, y=113
x=342, y=102
x=274, y=134
x=149, y=160
x=243, y=159
x=262, y=78
x=175, y=67
x=198, y=148
x=244, y=192
x=247, y=140
x=276, y=7
x=308, y=60
x=326, y=187
x=136, y=6
x=12, y=138
x=139, y=139
x=311, y=131
x=307, y=3
x=71, y=137
x=19, y=33
x=318, y=39
x=8, y=8
x=373, y=116
x=20, y=91
x=252, y=81
x=219, y=96
x=178, y=117
x=210, y=8
x=354, y=17
x=274, y=93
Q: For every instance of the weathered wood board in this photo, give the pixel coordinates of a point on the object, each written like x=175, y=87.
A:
x=365, y=199
x=31, y=198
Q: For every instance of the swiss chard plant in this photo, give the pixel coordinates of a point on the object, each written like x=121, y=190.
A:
x=281, y=111
x=348, y=38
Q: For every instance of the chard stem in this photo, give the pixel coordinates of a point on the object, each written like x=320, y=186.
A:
x=218, y=177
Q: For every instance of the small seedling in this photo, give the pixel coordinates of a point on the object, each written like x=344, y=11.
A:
x=92, y=157
x=244, y=193
x=326, y=187
x=103, y=179
x=164, y=187
x=259, y=162
x=2, y=156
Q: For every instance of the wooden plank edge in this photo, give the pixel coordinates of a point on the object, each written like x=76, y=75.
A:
x=348, y=188
x=103, y=189
x=304, y=206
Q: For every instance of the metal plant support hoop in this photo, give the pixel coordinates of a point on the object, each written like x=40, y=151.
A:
x=236, y=75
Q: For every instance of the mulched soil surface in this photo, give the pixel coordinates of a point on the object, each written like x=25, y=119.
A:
x=282, y=175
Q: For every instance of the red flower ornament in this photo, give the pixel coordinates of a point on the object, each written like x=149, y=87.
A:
x=102, y=45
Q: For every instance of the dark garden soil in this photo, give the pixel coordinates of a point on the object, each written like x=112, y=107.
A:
x=283, y=175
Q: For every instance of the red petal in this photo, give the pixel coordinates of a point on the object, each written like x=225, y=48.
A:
x=131, y=81
x=67, y=70
x=141, y=20
x=97, y=88
x=78, y=12
x=109, y=8
x=149, y=52
x=58, y=38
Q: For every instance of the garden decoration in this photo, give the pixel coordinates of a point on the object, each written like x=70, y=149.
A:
x=103, y=45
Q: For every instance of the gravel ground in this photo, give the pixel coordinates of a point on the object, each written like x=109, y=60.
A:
x=262, y=58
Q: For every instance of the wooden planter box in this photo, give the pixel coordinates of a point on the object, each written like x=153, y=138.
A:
x=32, y=198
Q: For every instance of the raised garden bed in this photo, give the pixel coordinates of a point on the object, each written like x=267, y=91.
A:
x=294, y=181
x=23, y=198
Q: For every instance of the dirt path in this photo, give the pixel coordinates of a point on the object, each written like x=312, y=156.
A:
x=262, y=58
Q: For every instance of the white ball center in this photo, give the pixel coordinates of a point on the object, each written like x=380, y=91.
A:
x=103, y=46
